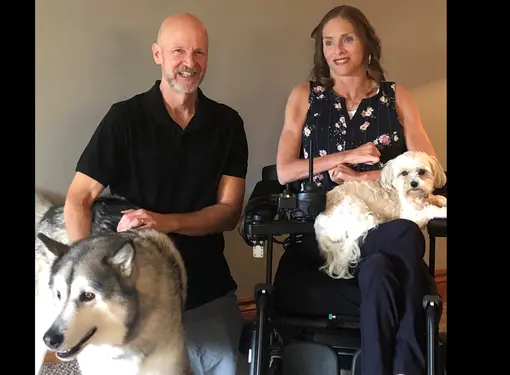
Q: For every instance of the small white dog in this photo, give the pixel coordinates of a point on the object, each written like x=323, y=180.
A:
x=404, y=191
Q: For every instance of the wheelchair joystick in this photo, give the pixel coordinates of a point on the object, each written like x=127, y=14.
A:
x=309, y=202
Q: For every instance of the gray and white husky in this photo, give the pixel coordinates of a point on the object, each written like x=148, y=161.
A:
x=113, y=301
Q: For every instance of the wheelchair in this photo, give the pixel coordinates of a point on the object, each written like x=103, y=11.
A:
x=280, y=342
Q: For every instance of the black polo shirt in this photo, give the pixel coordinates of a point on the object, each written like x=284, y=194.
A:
x=142, y=154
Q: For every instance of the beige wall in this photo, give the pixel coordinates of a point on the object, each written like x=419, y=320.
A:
x=90, y=54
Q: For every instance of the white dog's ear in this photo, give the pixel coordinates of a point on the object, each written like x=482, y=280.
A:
x=437, y=172
x=387, y=175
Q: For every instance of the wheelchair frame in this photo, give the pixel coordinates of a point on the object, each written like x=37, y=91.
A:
x=262, y=231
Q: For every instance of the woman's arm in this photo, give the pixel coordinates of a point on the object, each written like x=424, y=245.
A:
x=415, y=135
x=289, y=166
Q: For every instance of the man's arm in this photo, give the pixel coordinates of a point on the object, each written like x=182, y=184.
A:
x=225, y=214
x=82, y=193
x=220, y=217
x=97, y=166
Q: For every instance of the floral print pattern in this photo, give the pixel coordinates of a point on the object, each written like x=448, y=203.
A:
x=332, y=130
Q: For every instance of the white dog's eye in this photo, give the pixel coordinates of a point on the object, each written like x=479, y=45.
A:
x=404, y=173
x=421, y=172
x=58, y=295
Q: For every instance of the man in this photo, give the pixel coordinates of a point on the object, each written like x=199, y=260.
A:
x=183, y=158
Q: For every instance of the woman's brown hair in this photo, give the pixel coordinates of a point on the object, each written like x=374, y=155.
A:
x=364, y=30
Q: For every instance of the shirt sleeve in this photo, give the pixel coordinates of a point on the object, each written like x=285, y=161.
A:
x=237, y=160
x=101, y=158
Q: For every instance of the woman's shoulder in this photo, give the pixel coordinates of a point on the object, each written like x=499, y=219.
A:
x=302, y=88
x=300, y=92
x=308, y=86
x=401, y=94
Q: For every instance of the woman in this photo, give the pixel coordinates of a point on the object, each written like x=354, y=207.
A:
x=357, y=121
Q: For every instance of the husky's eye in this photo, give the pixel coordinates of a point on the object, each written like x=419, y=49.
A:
x=58, y=294
x=421, y=172
x=87, y=296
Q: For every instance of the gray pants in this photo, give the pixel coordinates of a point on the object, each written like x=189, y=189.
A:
x=212, y=333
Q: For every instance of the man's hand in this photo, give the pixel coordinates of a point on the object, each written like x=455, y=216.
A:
x=145, y=219
x=344, y=173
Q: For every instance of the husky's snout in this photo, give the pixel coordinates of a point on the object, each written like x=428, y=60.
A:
x=53, y=338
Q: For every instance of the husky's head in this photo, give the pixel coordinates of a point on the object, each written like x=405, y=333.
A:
x=93, y=284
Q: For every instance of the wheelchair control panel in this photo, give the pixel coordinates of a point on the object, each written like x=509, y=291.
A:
x=274, y=209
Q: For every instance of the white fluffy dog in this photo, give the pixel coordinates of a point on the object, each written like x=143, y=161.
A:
x=353, y=208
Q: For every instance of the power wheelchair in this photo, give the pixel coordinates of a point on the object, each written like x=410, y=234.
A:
x=286, y=343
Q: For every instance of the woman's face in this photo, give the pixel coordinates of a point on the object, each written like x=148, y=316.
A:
x=343, y=49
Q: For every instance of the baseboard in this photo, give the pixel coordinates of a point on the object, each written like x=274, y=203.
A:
x=249, y=310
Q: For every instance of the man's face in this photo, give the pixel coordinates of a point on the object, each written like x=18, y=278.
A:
x=182, y=54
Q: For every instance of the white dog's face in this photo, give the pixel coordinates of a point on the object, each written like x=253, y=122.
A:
x=413, y=174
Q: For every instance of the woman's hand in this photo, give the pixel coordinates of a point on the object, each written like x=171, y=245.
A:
x=364, y=154
x=343, y=173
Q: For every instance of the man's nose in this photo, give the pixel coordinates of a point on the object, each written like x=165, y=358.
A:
x=189, y=60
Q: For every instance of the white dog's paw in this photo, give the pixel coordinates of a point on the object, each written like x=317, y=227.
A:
x=437, y=200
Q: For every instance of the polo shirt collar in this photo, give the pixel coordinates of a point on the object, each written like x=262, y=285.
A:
x=157, y=109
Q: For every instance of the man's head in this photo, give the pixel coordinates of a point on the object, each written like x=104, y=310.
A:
x=181, y=49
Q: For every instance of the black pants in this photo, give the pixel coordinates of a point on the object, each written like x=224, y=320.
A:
x=387, y=293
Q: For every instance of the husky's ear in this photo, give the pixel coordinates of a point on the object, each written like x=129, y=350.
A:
x=57, y=248
x=386, y=178
x=123, y=258
x=437, y=172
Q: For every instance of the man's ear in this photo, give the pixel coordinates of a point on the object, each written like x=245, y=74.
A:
x=57, y=248
x=157, y=54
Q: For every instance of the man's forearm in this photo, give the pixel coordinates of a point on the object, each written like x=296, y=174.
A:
x=213, y=219
x=78, y=221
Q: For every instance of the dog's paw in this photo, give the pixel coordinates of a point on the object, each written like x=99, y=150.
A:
x=437, y=200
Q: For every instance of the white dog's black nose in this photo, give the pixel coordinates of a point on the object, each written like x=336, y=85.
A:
x=53, y=339
x=414, y=184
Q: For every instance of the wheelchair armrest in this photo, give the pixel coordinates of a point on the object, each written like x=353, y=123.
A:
x=260, y=208
x=259, y=220
x=262, y=205
x=437, y=228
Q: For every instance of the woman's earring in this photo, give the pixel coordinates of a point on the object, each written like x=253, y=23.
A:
x=369, y=59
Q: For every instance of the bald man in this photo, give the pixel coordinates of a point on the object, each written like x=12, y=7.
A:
x=183, y=158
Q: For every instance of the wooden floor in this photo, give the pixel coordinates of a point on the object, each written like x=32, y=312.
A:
x=249, y=311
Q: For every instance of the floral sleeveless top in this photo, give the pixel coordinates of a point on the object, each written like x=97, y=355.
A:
x=331, y=129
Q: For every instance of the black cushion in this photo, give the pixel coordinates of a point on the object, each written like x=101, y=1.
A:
x=301, y=289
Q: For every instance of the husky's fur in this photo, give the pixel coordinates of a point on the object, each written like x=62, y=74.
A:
x=125, y=291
